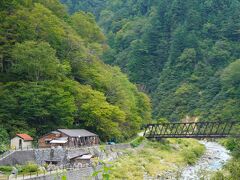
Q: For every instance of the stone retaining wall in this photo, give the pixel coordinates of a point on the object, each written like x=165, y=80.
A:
x=39, y=156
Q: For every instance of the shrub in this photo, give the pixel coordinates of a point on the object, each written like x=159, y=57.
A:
x=231, y=171
x=64, y=177
x=6, y=169
x=30, y=167
x=189, y=157
x=234, y=168
x=230, y=144
x=165, y=145
x=198, y=151
x=218, y=176
x=191, y=154
x=136, y=142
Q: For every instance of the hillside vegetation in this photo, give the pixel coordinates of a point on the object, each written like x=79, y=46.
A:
x=231, y=170
x=51, y=75
x=184, y=54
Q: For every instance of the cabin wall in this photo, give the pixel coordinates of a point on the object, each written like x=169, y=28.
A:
x=72, y=141
x=15, y=143
x=42, y=141
x=27, y=144
x=83, y=141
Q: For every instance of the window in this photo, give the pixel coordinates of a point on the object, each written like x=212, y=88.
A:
x=47, y=141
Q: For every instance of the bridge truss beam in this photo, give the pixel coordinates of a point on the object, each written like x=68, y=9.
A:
x=192, y=130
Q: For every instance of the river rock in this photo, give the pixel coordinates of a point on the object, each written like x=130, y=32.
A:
x=214, y=159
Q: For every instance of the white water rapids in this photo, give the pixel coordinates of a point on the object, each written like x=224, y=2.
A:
x=213, y=159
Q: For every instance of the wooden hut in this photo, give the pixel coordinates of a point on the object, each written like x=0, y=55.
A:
x=68, y=138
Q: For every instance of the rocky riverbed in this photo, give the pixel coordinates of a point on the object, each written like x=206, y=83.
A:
x=213, y=159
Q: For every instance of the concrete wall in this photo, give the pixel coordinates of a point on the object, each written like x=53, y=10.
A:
x=18, y=157
x=25, y=144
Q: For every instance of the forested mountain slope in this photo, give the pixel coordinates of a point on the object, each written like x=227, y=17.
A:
x=51, y=75
x=183, y=53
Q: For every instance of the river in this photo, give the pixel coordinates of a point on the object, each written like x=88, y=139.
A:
x=213, y=159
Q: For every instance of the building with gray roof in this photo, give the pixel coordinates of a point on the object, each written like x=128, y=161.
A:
x=70, y=138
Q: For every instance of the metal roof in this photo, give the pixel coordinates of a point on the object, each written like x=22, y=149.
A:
x=73, y=155
x=52, y=132
x=86, y=157
x=77, y=132
x=61, y=140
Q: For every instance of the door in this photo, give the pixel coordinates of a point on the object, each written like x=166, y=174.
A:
x=20, y=143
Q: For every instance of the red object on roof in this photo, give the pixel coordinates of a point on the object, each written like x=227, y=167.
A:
x=25, y=137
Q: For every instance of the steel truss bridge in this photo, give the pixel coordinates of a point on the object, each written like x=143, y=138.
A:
x=193, y=130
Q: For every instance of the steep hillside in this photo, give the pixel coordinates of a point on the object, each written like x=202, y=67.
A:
x=180, y=52
x=51, y=75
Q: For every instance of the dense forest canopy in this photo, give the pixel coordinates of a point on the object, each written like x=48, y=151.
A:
x=184, y=54
x=51, y=75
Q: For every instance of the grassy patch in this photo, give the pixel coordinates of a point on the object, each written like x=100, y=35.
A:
x=136, y=142
x=231, y=171
x=154, y=158
x=29, y=168
x=22, y=169
x=6, y=169
x=192, y=153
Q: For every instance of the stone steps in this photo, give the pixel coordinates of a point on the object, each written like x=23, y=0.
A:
x=6, y=154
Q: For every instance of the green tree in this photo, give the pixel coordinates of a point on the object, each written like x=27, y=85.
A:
x=98, y=115
x=51, y=73
x=4, y=140
x=55, y=6
x=37, y=108
x=231, y=74
x=85, y=25
x=35, y=61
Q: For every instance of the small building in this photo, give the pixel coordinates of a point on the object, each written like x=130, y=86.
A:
x=82, y=160
x=68, y=138
x=21, y=141
x=79, y=137
x=44, y=141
